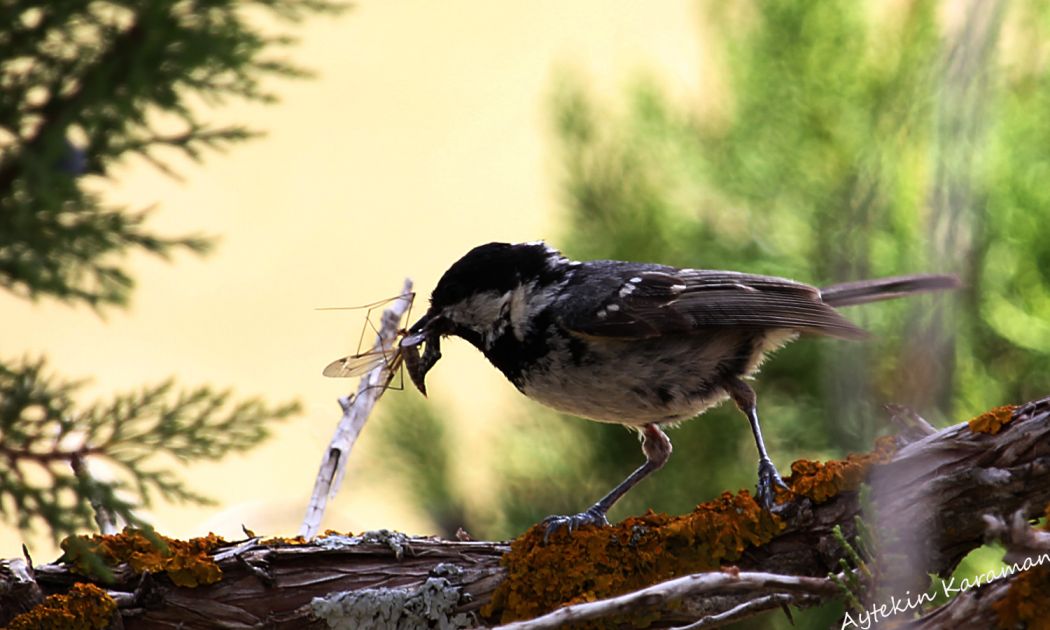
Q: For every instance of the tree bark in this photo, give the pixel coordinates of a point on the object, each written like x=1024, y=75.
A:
x=938, y=497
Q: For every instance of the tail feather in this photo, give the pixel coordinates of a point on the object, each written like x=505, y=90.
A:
x=863, y=291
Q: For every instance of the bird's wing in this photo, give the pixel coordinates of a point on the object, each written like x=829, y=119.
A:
x=680, y=301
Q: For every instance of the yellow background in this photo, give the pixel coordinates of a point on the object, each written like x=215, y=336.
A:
x=426, y=132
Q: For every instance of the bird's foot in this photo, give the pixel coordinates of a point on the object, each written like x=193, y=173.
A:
x=591, y=516
x=768, y=479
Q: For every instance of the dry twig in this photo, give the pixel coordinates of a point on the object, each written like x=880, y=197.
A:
x=356, y=410
x=764, y=587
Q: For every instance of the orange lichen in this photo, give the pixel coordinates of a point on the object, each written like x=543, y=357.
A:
x=819, y=481
x=1026, y=601
x=277, y=541
x=186, y=562
x=993, y=420
x=1028, y=598
x=84, y=607
x=594, y=563
x=302, y=540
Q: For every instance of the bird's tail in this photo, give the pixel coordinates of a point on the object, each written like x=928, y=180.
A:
x=863, y=291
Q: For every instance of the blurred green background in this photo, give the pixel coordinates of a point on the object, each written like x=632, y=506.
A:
x=855, y=140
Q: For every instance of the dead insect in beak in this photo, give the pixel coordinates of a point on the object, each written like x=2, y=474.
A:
x=410, y=354
x=390, y=356
x=363, y=363
x=417, y=366
x=426, y=331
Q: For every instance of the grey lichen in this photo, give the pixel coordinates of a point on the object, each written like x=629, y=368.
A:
x=432, y=605
x=395, y=541
x=447, y=569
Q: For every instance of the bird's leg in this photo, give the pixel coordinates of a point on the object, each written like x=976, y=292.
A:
x=657, y=448
x=745, y=399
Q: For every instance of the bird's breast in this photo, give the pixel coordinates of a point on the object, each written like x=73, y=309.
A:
x=640, y=381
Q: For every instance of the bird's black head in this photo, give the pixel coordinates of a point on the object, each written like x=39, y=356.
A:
x=474, y=298
x=495, y=268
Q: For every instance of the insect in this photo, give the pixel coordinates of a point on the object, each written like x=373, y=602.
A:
x=393, y=357
x=418, y=367
x=364, y=362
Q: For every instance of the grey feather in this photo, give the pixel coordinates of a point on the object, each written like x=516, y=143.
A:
x=668, y=301
x=863, y=291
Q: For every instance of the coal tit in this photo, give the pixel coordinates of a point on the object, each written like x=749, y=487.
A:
x=643, y=345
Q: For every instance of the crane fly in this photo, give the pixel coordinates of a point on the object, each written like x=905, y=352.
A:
x=364, y=362
x=393, y=357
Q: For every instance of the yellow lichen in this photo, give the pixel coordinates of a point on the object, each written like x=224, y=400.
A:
x=84, y=607
x=1028, y=597
x=993, y=420
x=819, y=481
x=301, y=540
x=594, y=563
x=186, y=562
x=1026, y=601
x=277, y=541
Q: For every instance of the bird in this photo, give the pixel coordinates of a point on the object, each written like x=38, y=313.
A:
x=643, y=345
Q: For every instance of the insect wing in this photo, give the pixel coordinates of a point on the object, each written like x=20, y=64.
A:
x=410, y=296
x=357, y=364
x=364, y=362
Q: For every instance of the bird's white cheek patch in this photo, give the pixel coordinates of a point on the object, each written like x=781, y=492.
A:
x=479, y=311
x=519, y=310
x=526, y=303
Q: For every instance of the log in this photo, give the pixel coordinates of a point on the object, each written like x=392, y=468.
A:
x=935, y=498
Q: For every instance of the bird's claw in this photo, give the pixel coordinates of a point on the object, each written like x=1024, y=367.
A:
x=591, y=516
x=768, y=478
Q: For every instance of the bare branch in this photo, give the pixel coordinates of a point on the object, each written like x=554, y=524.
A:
x=746, y=609
x=1020, y=539
x=942, y=484
x=356, y=410
x=909, y=424
x=984, y=603
x=104, y=517
x=756, y=583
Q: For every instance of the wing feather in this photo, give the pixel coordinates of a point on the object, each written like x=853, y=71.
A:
x=670, y=302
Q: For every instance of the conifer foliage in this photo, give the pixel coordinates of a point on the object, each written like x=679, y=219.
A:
x=85, y=84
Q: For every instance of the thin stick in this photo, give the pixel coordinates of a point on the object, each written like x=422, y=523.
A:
x=104, y=518
x=356, y=410
x=742, y=611
x=761, y=584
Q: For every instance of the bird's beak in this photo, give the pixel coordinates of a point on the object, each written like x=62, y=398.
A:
x=413, y=339
x=427, y=330
x=419, y=331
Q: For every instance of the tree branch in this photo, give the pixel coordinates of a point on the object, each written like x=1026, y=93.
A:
x=690, y=586
x=356, y=410
x=941, y=486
